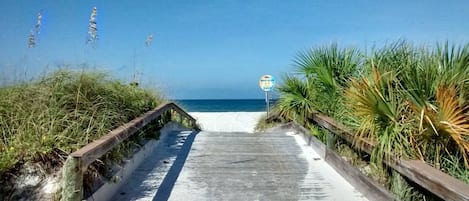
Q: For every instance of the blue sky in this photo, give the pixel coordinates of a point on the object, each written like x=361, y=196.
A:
x=212, y=49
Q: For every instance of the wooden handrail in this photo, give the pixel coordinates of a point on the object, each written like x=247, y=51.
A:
x=99, y=147
x=368, y=187
x=78, y=161
x=430, y=178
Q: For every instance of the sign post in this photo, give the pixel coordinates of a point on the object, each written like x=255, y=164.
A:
x=267, y=83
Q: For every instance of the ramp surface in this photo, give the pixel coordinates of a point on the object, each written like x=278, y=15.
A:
x=146, y=180
x=250, y=166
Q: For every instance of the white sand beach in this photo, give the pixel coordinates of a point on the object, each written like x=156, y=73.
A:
x=227, y=121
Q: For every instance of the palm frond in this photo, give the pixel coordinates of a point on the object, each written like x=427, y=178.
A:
x=295, y=102
x=444, y=124
x=331, y=66
x=377, y=103
x=453, y=119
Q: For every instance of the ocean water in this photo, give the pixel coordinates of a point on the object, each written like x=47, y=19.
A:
x=219, y=105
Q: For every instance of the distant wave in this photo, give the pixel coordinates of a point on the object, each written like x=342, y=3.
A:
x=224, y=105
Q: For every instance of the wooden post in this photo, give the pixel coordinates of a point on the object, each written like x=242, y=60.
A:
x=184, y=120
x=331, y=140
x=72, y=180
x=181, y=118
x=167, y=116
x=193, y=124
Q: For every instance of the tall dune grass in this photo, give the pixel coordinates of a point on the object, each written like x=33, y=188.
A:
x=64, y=111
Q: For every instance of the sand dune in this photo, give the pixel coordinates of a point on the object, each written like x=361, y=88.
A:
x=227, y=121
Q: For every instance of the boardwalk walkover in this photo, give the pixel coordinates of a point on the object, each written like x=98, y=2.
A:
x=244, y=166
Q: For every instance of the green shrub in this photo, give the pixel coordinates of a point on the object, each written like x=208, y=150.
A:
x=64, y=111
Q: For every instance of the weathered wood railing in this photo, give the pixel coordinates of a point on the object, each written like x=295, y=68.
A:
x=432, y=179
x=78, y=161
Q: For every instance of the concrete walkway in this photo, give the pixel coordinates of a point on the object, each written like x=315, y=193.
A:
x=236, y=166
x=146, y=180
x=244, y=166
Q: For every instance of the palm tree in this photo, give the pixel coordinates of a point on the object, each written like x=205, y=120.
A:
x=414, y=102
x=328, y=70
x=443, y=126
x=331, y=66
x=376, y=104
x=296, y=100
x=438, y=97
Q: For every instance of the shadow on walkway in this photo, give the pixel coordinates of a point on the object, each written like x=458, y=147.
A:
x=162, y=167
x=164, y=191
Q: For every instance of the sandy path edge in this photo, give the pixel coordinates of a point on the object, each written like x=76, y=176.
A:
x=227, y=121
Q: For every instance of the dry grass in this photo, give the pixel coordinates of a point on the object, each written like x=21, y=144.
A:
x=64, y=111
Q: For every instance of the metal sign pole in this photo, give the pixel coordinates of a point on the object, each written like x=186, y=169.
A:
x=266, y=83
x=267, y=102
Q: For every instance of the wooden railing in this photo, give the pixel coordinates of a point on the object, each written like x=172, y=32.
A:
x=78, y=161
x=432, y=179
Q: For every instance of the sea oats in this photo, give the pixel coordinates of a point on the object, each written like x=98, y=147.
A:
x=92, y=27
x=149, y=40
x=35, y=31
x=31, y=39
x=38, y=23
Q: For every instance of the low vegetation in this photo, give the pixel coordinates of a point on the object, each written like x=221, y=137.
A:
x=263, y=124
x=62, y=112
x=410, y=101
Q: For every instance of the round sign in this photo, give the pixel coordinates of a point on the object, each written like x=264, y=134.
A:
x=267, y=82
